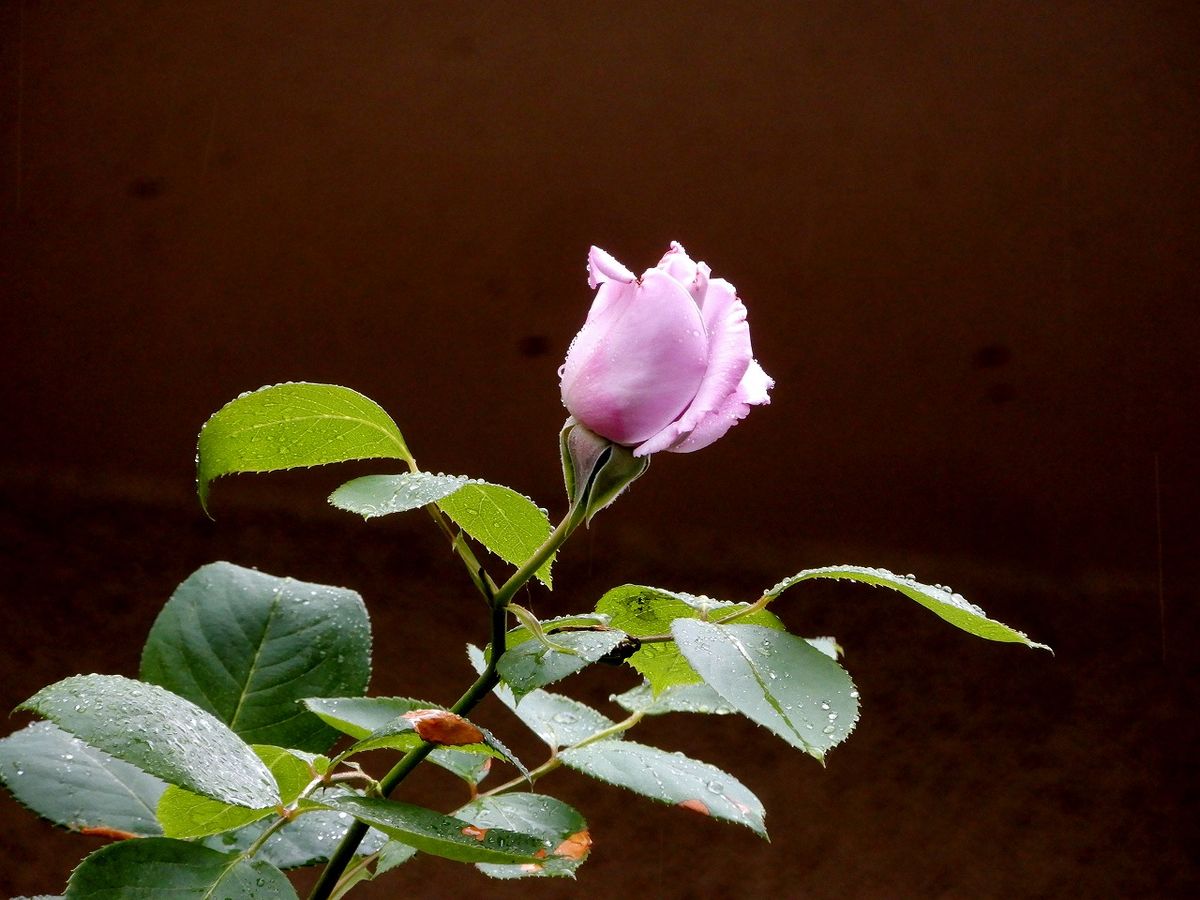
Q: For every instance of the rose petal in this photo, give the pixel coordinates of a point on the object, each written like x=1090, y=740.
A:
x=729, y=355
x=635, y=367
x=603, y=267
x=751, y=392
x=609, y=304
x=678, y=264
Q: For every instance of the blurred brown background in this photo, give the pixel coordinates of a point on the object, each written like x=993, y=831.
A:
x=967, y=237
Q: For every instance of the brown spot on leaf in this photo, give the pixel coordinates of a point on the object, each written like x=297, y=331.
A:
x=576, y=846
x=531, y=867
x=696, y=806
x=440, y=726
x=473, y=831
x=104, y=831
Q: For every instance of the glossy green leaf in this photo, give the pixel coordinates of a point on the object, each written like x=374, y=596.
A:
x=306, y=840
x=184, y=814
x=937, y=598
x=381, y=495
x=285, y=426
x=558, y=720
x=246, y=646
x=642, y=611
x=153, y=868
x=509, y=524
x=693, y=698
x=62, y=779
x=160, y=733
x=360, y=716
x=776, y=679
x=669, y=777
x=439, y=835
x=556, y=823
x=533, y=663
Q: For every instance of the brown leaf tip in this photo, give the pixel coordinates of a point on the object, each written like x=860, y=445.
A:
x=104, y=831
x=440, y=726
x=576, y=846
x=696, y=806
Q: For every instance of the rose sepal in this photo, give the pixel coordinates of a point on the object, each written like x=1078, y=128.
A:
x=595, y=470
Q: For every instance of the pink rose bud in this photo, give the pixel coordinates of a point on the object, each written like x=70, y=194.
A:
x=662, y=363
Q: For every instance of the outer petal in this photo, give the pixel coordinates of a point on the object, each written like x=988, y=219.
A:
x=729, y=356
x=751, y=392
x=603, y=267
x=634, y=369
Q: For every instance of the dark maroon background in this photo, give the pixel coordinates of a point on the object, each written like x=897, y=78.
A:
x=967, y=237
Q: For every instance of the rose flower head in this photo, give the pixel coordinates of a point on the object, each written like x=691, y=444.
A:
x=663, y=362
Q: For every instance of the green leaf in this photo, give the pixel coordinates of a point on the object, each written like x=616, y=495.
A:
x=160, y=733
x=246, y=646
x=360, y=716
x=693, y=698
x=439, y=835
x=184, y=814
x=937, y=598
x=154, y=868
x=642, y=611
x=671, y=778
x=509, y=524
x=381, y=495
x=558, y=720
x=556, y=823
x=533, y=664
x=306, y=840
x=70, y=783
x=284, y=426
x=776, y=679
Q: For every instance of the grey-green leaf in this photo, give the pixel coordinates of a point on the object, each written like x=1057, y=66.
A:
x=671, y=778
x=778, y=680
x=160, y=733
x=440, y=835
x=556, y=823
x=937, y=598
x=284, y=426
x=382, y=495
x=153, y=868
x=509, y=524
x=693, y=698
x=558, y=720
x=73, y=784
x=306, y=840
x=533, y=664
x=360, y=716
x=246, y=646
x=184, y=814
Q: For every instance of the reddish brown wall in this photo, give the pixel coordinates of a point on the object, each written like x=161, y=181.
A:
x=966, y=233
